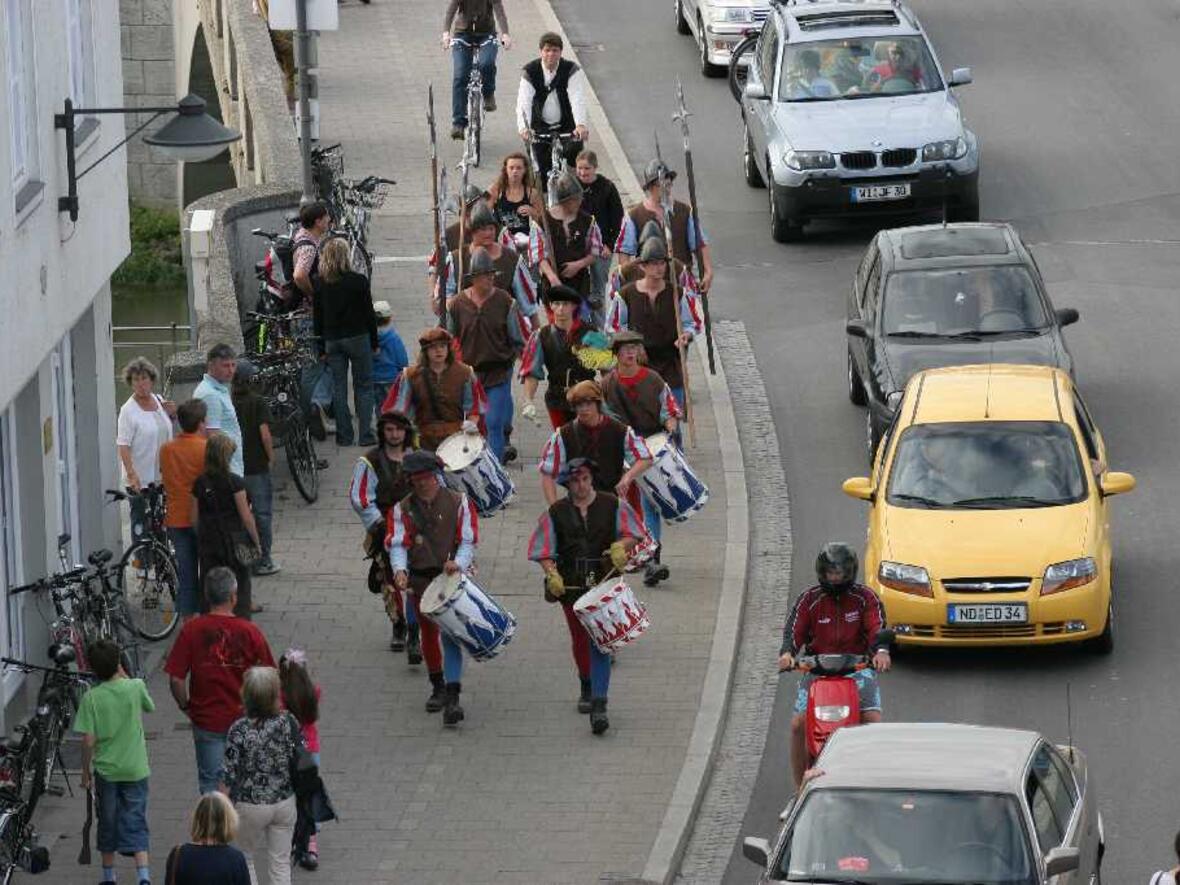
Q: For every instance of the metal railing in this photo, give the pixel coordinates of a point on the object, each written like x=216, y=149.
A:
x=157, y=350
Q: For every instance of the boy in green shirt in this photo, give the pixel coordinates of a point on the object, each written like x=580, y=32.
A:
x=110, y=719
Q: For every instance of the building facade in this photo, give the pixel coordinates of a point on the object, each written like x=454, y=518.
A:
x=57, y=396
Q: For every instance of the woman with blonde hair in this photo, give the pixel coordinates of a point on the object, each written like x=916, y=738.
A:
x=223, y=521
x=209, y=859
x=260, y=749
x=346, y=335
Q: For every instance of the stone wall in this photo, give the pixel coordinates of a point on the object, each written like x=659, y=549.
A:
x=149, y=78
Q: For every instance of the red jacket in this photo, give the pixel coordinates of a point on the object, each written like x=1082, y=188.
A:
x=827, y=624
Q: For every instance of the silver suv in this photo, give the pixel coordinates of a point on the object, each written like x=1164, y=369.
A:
x=847, y=113
x=717, y=26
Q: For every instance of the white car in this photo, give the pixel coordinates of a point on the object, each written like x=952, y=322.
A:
x=718, y=26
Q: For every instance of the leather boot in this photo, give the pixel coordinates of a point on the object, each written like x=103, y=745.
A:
x=452, y=712
x=397, y=636
x=413, y=645
x=438, y=693
x=584, y=703
x=598, y=721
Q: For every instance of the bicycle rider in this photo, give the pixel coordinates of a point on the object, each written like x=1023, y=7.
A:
x=837, y=616
x=469, y=28
x=551, y=102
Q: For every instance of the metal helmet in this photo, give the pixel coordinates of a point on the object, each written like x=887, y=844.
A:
x=566, y=188
x=654, y=171
x=472, y=194
x=653, y=249
x=651, y=229
x=480, y=263
x=482, y=216
x=836, y=555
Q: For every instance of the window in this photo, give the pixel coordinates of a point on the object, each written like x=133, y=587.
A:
x=22, y=104
x=1059, y=789
x=767, y=56
x=1049, y=833
x=870, y=292
x=970, y=302
x=63, y=444
x=81, y=52
x=1089, y=434
x=13, y=634
x=857, y=67
x=862, y=271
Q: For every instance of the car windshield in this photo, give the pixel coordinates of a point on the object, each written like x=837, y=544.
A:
x=965, y=301
x=987, y=465
x=858, y=67
x=891, y=836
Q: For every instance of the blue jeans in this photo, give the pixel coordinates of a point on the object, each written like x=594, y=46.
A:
x=599, y=672
x=461, y=65
x=452, y=659
x=651, y=516
x=499, y=416
x=210, y=749
x=188, y=594
x=122, y=815
x=261, y=492
x=356, y=352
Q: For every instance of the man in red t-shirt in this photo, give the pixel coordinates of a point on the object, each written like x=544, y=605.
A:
x=206, y=666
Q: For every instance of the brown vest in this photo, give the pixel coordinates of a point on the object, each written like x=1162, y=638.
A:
x=438, y=405
x=392, y=482
x=436, y=526
x=483, y=336
x=638, y=404
x=605, y=446
x=571, y=243
x=561, y=365
x=659, y=324
x=505, y=265
x=641, y=215
x=582, y=545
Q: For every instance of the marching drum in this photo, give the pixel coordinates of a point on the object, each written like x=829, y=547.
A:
x=468, y=615
x=474, y=470
x=670, y=482
x=612, y=615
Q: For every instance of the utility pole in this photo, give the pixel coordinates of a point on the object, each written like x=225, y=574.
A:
x=303, y=69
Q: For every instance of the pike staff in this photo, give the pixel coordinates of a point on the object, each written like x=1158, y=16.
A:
x=682, y=114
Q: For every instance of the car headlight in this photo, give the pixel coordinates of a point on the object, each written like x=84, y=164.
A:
x=803, y=160
x=1069, y=574
x=738, y=15
x=904, y=578
x=832, y=712
x=951, y=149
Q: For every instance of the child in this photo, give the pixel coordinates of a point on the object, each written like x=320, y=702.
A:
x=110, y=719
x=302, y=698
x=391, y=356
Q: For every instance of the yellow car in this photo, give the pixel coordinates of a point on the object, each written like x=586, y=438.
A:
x=988, y=522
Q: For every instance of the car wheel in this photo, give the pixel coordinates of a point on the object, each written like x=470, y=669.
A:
x=783, y=230
x=1103, y=644
x=681, y=22
x=749, y=164
x=872, y=435
x=707, y=67
x=856, y=387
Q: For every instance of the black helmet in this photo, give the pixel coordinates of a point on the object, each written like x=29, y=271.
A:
x=836, y=555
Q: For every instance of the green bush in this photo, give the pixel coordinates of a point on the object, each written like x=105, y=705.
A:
x=155, y=249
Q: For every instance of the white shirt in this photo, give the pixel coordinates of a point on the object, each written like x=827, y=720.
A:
x=551, y=110
x=144, y=432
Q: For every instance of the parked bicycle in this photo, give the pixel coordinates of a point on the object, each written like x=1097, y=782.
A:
x=148, y=572
x=473, y=134
x=278, y=377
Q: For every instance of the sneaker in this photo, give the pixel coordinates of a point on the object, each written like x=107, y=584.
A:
x=318, y=422
x=489, y=103
x=266, y=567
x=457, y=133
x=654, y=572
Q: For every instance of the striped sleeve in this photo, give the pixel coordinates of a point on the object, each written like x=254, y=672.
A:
x=543, y=543
x=538, y=245
x=362, y=492
x=399, y=535
x=627, y=241
x=616, y=314
x=690, y=311
x=532, y=362
x=466, y=533
x=693, y=245
x=474, y=400
x=552, y=456
x=506, y=238
x=594, y=240
x=635, y=448
x=797, y=628
x=398, y=399
x=524, y=288
x=519, y=327
x=669, y=408
x=628, y=523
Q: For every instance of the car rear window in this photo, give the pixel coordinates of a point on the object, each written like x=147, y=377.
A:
x=951, y=241
x=967, y=301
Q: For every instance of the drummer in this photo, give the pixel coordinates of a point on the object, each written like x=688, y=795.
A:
x=639, y=397
x=551, y=353
x=432, y=531
x=620, y=453
x=491, y=331
x=439, y=393
x=378, y=482
x=581, y=541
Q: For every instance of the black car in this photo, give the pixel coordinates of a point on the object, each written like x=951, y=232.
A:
x=945, y=295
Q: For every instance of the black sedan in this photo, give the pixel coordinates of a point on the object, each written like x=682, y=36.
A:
x=945, y=295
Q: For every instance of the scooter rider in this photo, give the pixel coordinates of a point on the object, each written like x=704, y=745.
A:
x=837, y=616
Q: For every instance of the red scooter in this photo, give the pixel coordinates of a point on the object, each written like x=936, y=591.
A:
x=833, y=698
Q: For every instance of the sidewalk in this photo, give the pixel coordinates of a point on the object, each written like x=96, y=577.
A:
x=522, y=792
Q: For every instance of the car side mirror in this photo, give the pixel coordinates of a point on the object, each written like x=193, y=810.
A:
x=755, y=91
x=1115, y=483
x=857, y=328
x=757, y=850
x=1067, y=316
x=1062, y=860
x=961, y=77
x=858, y=487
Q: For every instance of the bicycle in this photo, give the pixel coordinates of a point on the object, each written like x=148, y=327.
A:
x=473, y=132
x=559, y=146
x=149, y=574
x=19, y=849
x=279, y=379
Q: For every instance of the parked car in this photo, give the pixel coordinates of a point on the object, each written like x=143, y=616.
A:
x=988, y=517
x=939, y=803
x=943, y=295
x=717, y=26
x=847, y=113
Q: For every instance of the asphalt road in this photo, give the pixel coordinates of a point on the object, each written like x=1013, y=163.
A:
x=1077, y=107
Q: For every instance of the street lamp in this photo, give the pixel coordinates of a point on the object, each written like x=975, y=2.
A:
x=190, y=136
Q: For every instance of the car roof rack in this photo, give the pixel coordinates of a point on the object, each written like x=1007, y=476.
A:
x=900, y=9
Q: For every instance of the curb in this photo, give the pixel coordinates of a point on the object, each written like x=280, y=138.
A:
x=663, y=862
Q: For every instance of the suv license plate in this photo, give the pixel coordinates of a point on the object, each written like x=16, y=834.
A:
x=988, y=613
x=878, y=192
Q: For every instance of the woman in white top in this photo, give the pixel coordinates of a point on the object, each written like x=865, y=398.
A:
x=145, y=424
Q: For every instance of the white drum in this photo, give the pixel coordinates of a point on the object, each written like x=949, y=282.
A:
x=612, y=615
x=468, y=615
x=473, y=469
x=670, y=483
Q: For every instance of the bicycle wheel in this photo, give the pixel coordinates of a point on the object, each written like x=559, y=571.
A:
x=301, y=459
x=361, y=259
x=12, y=837
x=474, y=129
x=34, y=771
x=148, y=578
